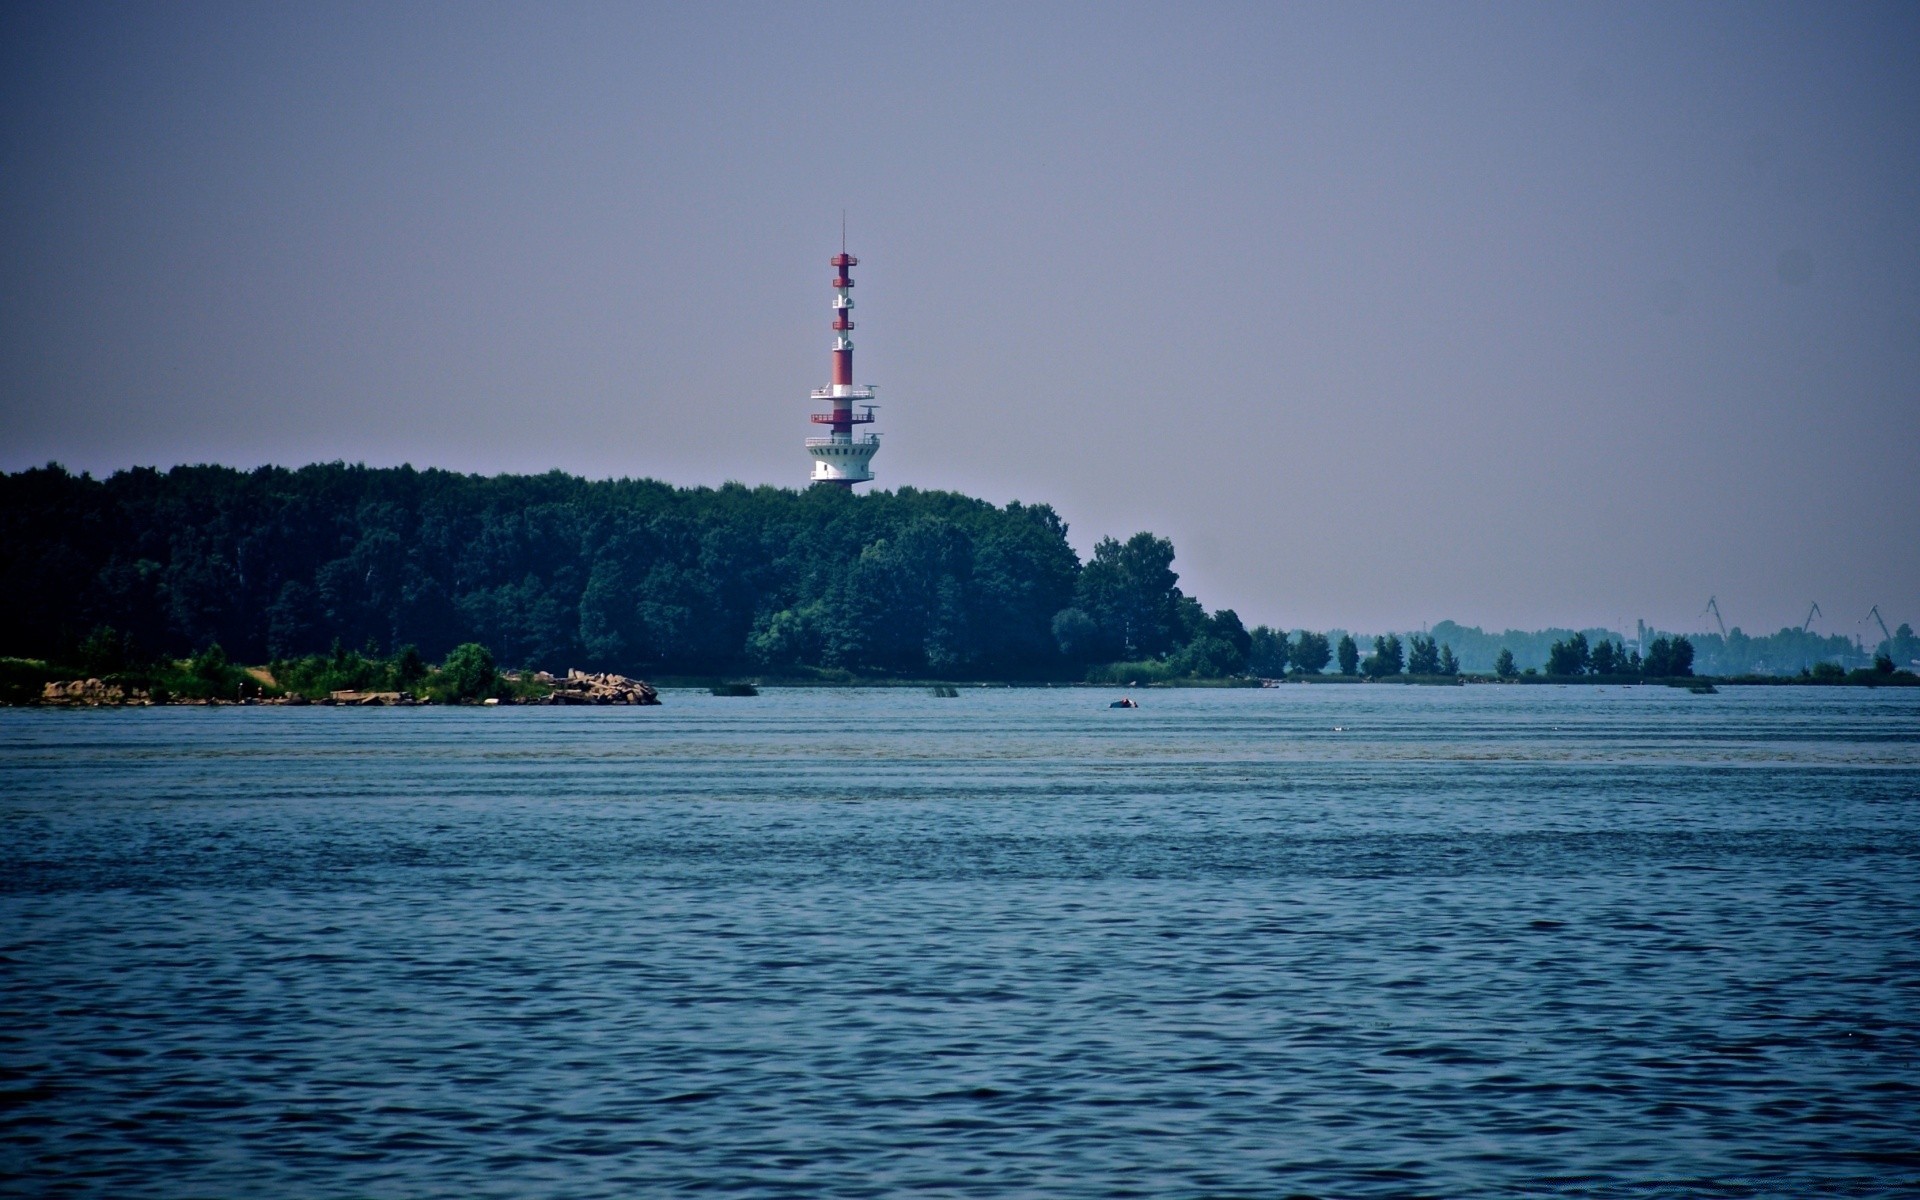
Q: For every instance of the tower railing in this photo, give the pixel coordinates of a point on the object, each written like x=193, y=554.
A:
x=855, y=391
x=872, y=439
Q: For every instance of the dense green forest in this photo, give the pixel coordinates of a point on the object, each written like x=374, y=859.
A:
x=554, y=571
x=637, y=576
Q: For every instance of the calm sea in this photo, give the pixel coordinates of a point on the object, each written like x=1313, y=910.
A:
x=1327, y=941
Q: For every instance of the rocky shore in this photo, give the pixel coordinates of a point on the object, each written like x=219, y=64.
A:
x=579, y=687
x=575, y=687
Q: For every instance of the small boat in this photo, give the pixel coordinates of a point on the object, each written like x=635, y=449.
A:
x=1123, y=702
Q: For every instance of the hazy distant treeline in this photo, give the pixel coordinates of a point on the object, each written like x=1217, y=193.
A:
x=1787, y=652
x=1791, y=651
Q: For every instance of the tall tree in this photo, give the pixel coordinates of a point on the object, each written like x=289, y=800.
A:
x=1607, y=658
x=1388, y=657
x=1225, y=625
x=1423, y=657
x=1311, y=652
x=1682, y=657
x=1659, y=661
x=1349, y=655
x=1569, y=657
x=1267, y=653
x=1131, y=590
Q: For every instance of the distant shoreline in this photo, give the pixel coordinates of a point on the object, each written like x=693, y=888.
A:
x=99, y=698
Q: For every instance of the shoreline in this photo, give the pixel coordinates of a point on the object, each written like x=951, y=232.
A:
x=94, y=693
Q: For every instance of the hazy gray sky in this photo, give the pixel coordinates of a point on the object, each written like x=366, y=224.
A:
x=1512, y=314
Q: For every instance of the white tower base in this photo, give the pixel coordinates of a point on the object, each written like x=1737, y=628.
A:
x=843, y=461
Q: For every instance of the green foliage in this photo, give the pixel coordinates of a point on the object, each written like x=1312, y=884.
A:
x=791, y=636
x=1479, y=649
x=1503, y=665
x=106, y=651
x=1311, y=653
x=1570, y=657
x=1144, y=671
x=1178, y=670
x=1423, y=657
x=210, y=665
x=1267, y=652
x=1204, y=658
x=409, y=669
x=315, y=675
x=209, y=675
x=1224, y=625
x=1349, y=655
x=21, y=679
x=1902, y=649
x=1209, y=657
x=1131, y=592
x=1449, y=665
x=1078, y=637
x=1387, y=659
x=343, y=670
x=1668, y=658
x=468, y=674
x=1789, y=652
x=1190, y=619
x=555, y=571
x=1601, y=660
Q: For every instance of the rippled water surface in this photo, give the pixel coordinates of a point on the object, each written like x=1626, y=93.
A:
x=1333, y=941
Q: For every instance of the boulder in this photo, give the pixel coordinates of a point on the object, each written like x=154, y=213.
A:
x=581, y=687
x=90, y=692
x=365, y=698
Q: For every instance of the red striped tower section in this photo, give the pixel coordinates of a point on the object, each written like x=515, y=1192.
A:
x=842, y=459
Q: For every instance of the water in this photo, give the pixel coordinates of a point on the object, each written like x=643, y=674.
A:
x=1333, y=941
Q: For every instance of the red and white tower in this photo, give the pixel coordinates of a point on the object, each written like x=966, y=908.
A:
x=840, y=458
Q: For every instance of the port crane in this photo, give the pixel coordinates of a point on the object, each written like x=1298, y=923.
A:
x=1811, y=614
x=1874, y=612
x=1713, y=606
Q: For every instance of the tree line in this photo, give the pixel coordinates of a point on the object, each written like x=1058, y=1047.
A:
x=554, y=571
x=1666, y=658
x=636, y=576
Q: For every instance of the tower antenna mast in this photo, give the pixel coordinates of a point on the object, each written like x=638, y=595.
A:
x=840, y=459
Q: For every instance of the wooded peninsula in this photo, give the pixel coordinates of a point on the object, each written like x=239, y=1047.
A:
x=324, y=571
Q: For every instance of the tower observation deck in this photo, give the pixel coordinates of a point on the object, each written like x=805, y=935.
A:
x=842, y=458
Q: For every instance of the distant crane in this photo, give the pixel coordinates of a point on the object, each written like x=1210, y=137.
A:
x=1811, y=614
x=1874, y=612
x=1713, y=606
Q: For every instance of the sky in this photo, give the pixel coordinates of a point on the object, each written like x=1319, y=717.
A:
x=1512, y=314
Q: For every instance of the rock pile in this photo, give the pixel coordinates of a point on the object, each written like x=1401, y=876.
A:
x=579, y=687
x=90, y=692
